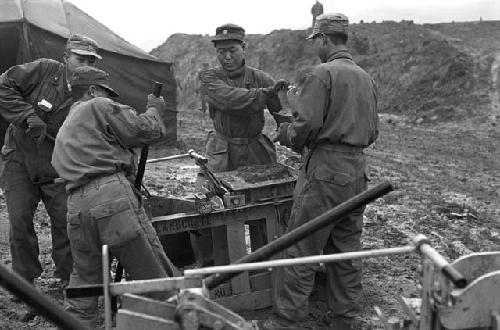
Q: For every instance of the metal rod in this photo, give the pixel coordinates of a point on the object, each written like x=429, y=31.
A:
x=300, y=261
x=451, y=273
x=423, y=246
x=138, y=286
x=35, y=299
x=108, y=324
x=158, y=160
x=305, y=230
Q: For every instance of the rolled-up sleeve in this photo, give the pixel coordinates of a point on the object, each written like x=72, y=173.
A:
x=308, y=118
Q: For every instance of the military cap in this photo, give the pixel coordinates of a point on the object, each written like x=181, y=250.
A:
x=229, y=32
x=330, y=23
x=88, y=75
x=82, y=45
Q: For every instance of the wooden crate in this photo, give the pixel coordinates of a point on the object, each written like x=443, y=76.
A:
x=235, y=232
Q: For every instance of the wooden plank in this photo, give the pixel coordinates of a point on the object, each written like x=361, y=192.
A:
x=248, y=301
x=236, y=249
x=258, y=282
x=261, y=281
x=426, y=311
x=127, y=320
x=144, y=305
x=219, y=241
x=180, y=222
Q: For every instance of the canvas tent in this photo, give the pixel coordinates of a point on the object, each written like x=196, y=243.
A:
x=31, y=29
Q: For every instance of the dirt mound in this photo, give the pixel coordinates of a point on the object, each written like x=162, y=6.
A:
x=423, y=71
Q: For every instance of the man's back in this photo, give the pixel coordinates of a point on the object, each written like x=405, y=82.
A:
x=352, y=113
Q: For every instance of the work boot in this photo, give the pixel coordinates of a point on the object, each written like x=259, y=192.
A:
x=276, y=322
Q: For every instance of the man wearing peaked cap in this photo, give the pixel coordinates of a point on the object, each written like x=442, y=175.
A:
x=330, y=24
x=35, y=98
x=335, y=119
x=93, y=155
x=82, y=45
x=88, y=75
x=237, y=96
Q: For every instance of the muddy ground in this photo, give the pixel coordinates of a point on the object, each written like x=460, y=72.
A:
x=447, y=188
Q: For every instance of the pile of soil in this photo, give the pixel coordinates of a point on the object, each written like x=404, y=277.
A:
x=261, y=173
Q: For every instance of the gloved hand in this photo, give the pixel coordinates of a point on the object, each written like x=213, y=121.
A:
x=156, y=102
x=281, y=84
x=37, y=129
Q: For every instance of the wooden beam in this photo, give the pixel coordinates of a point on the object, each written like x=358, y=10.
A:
x=247, y=301
x=180, y=222
x=236, y=249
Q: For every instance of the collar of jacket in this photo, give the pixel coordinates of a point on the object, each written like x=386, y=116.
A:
x=340, y=53
x=238, y=72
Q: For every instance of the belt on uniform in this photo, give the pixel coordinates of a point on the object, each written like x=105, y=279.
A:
x=242, y=141
x=338, y=147
x=98, y=181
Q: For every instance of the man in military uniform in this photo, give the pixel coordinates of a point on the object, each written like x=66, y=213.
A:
x=35, y=98
x=335, y=119
x=237, y=96
x=93, y=155
x=316, y=10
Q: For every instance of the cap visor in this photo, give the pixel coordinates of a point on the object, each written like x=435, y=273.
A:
x=110, y=90
x=230, y=36
x=85, y=53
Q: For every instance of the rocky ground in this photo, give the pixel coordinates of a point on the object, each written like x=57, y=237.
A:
x=448, y=189
x=443, y=156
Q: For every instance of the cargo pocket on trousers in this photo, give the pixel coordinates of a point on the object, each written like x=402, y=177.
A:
x=117, y=222
x=331, y=176
x=75, y=233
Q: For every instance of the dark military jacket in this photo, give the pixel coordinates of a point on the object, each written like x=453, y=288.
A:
x=38, y=87
x=337, y=105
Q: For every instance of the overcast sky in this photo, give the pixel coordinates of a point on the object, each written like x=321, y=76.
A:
x=148, y=23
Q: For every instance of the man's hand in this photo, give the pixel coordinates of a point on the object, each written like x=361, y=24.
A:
x=37, y=129
x=281, y=84
x=156, y=102
x=282, y=117
x=282, y=135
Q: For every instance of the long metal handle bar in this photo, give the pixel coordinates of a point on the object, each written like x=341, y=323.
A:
x=158, y=160
x=300, y=261
x=305, y=230
x=134, y=287
x=422, y=244
x=35, y=299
